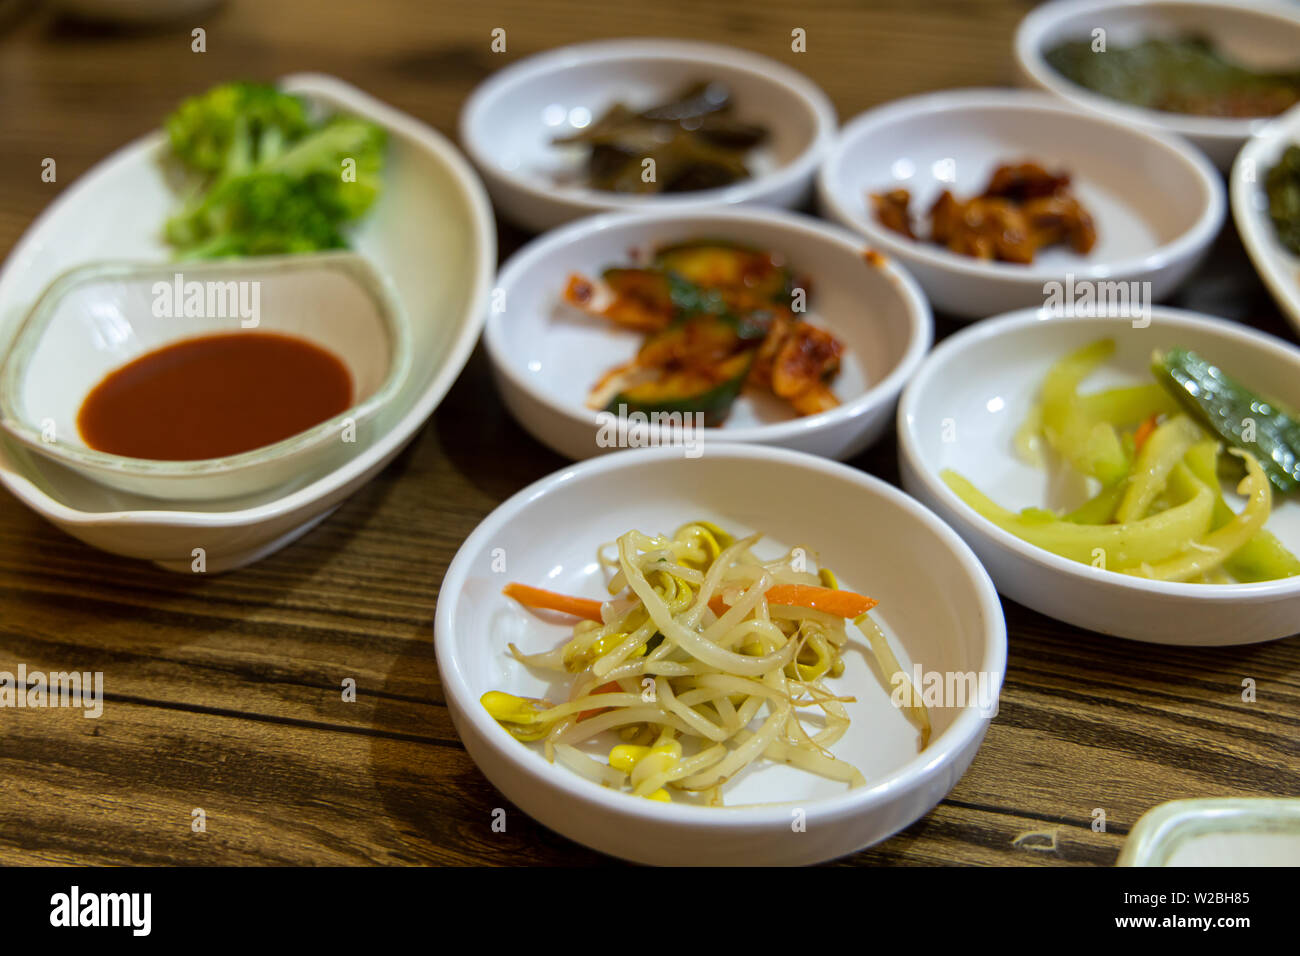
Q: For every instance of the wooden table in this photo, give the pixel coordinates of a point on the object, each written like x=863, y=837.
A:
x=223, y=692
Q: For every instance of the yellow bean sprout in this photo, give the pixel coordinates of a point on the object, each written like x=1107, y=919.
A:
x=705, y=660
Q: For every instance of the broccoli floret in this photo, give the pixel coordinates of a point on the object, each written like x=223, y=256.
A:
x=261, y=214
x=273, y=182
x=235, y=126
x=341, y=163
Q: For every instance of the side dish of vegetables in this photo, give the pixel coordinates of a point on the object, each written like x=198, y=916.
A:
x=1282, y=186
x=1184, y=74
x=266, y=177
x=719, y=316
x=1156, y=455
x=704, y=660
x=691, y=141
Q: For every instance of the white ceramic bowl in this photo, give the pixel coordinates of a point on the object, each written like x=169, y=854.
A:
x=1260, y=35
x=430, y=235
x=1157, y=203
x=976, y=388
x=135, y=12
x=1216, y=831
x=510, y=121
x=546, y=355
x=100, y=317
x=1278, y=266
x=936, y=603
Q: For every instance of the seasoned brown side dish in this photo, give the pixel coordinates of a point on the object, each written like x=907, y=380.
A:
x=719, y=317
x=694, y=138
x=1024, y=208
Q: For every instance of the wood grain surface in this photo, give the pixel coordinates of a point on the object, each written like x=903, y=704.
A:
x=222, y=692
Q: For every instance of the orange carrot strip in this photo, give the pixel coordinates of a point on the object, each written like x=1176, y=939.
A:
x=1144, y=432
x=550, y=601
x=610, y=688
x=826, y=600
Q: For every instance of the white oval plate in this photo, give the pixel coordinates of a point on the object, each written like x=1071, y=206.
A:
x=510, y=121
x=936, y=603
x=1258, y=34
x=431, y=233
x=546, y=355
x=1278, y=266
x=1157, y=211
x=977, y=387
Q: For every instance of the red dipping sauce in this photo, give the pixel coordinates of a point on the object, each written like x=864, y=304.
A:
x=214, y=396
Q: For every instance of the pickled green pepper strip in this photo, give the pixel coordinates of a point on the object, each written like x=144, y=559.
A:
x=1234, y=413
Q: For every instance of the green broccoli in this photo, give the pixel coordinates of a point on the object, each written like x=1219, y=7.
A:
x=271, y=181
x=233, y=127
x=319, y=160
x=258, y=215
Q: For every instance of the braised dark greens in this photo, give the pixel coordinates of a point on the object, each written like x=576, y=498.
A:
x=694, y=140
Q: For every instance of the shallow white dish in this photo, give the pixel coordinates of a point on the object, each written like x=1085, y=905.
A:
x=1157, y=203
x=546, y=355
x=430, y=234
x=509, y=122
x=1260, y=35
x=1216, y=832
x=135, y=11
x=1278, y=266
x=977, y=387
x=102, y=316
x=936, y=603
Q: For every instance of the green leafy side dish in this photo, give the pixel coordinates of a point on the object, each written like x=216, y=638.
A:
x=1282, y=186
x=266, y=177
x=1184, y=74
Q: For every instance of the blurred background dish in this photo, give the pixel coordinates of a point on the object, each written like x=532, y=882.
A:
x=134, y=12
x=1264, y=195
x=1248, y=35
x=1155, y=214
x=510, y=124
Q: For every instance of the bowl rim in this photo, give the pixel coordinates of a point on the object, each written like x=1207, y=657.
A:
x=967, y=728
x=816, y=103
x=87, y=460
x=1018, y=321
x=1261, y=243
x=1028, y=43
x=920, y=320
x=1160, y=831
x=327, y=490
x=1208, y=222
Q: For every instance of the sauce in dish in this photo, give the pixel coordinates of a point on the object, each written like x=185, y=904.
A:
x=214, y=396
